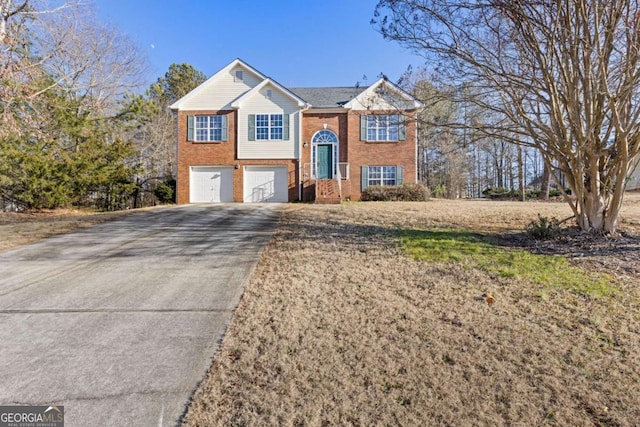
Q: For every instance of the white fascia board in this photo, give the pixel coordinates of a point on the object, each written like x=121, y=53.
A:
x=238, y=102
x=211, y=80
x=395, y=88
x=322, y=110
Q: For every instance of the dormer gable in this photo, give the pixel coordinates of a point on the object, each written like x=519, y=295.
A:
x=266, y=89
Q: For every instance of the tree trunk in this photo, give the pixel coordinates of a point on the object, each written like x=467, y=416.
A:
x=545, y=182
x=521, y=186
x=597, y=208
x=594, y=212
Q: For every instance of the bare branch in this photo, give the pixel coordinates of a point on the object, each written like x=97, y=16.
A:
x=563, y=77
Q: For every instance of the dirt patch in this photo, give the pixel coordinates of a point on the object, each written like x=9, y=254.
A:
x=339, y=327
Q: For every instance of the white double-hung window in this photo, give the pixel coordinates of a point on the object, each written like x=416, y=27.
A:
x=207, y=128
x=382, y=127
x=381, y=175
x=268, y=127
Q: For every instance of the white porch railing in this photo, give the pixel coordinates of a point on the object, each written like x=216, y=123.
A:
x=339, y=178
x=306, y=171
x=341, y=173
x=343, y=170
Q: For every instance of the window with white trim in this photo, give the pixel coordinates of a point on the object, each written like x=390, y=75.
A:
x=382, y=175
x=208, y=128
x=382, y=127
x=269, y=126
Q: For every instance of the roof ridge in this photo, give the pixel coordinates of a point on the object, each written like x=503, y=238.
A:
x=325, y=87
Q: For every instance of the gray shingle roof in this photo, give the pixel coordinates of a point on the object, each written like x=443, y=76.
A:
x=320, y=97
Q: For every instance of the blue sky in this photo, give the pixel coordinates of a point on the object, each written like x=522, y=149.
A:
x=296, y=42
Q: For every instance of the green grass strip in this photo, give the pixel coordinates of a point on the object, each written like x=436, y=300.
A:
x=477, y=251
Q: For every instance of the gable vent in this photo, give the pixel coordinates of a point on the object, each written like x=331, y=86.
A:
x=239, y=76
x=269, y=93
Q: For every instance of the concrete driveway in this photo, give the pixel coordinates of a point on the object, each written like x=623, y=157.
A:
x=119, y=322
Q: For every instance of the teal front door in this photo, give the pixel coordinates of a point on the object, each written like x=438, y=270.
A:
x=325, y=161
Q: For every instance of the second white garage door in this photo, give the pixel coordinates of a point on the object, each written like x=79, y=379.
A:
x=266, y=184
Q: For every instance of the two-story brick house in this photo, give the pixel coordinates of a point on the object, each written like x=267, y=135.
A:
x=243, y=137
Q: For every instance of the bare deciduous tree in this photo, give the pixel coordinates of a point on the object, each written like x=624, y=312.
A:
x=92, y=61
x=63, y=75
x=60, y=46
x=562, y=76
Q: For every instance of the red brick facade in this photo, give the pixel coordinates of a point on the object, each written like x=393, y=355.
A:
x=351, y=150
x=221, y=154
x=285, y=121
x=363, y=153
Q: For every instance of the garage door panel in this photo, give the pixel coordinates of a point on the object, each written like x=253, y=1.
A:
x=211, y=184
x=266, y=184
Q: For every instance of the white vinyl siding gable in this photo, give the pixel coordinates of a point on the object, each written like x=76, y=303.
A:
x=249, y=146
x=220, y=93
x=369, y=101
x=383, y=95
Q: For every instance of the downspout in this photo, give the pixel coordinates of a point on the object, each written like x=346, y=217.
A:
x=415, y=140
x=300, y=147
x=176, y=114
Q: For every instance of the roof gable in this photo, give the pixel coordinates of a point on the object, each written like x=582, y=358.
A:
x=380, y=95
x=211, y=81
x=267, y=81
x=383, y=95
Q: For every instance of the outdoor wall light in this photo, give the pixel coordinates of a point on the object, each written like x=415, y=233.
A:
x=237, y=165
x=305, y=144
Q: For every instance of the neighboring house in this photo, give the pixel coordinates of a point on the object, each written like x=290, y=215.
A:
x=633, y=182
x=243, y=137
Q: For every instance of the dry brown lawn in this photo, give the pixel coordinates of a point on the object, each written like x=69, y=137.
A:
x=25, y=227
x=339, y=327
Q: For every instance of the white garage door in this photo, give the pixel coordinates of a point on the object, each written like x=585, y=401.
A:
x=211, y=184
x=266, y=184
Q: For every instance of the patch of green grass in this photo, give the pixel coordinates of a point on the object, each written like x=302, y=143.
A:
x=477, y=251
